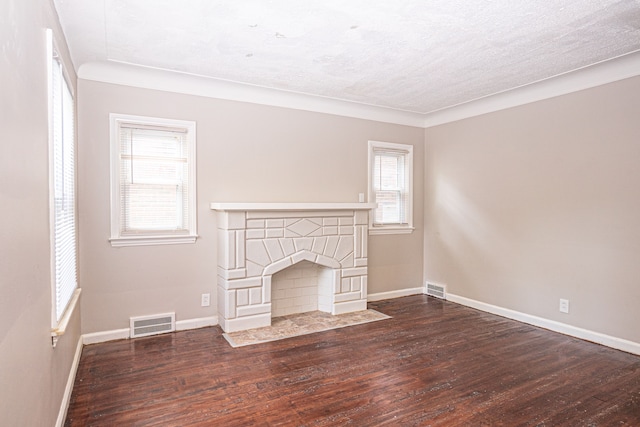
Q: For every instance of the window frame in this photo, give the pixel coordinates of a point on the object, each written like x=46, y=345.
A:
x=143, y=238
x=407, y=151
x=61, y=310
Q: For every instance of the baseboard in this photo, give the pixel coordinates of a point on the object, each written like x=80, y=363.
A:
x=201, y=322
x=97, y=337
x=563, y=328
x=119, y=334
x=246, y=322
x=395, y=294
x=66, y=397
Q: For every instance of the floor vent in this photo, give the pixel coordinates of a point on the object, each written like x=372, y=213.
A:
x=438, y=291
x=144, y=326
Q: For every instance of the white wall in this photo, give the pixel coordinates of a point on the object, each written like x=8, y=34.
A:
x=33, y=375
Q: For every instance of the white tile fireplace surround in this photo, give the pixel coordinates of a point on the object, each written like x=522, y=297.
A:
x=257, y=240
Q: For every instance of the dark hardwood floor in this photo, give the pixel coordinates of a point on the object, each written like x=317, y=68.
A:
x=434, y=363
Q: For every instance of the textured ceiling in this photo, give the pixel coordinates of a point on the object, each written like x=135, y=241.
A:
x=411, y=55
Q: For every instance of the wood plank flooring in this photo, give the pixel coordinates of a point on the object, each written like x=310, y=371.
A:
x=435, y=363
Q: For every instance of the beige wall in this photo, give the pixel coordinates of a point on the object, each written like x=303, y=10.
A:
x=246, y=153
x=541, y=202
x=33, y=375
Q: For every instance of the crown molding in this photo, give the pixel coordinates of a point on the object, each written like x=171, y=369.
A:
x=190, y=84
x=609, y=71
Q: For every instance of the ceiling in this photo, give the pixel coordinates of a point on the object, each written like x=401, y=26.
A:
x=417, y=56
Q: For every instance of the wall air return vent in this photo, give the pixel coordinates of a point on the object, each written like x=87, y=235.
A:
x=438, y=291
x=144, y=326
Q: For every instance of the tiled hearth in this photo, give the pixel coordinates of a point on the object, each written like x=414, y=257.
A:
x=258, y=240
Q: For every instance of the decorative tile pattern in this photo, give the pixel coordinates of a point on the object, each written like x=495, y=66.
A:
x=304, y=227
x=252, y=246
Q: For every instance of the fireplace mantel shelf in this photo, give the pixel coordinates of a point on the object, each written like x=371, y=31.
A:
x=290, y=206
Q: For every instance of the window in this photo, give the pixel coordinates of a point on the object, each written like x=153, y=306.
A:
x=62, y=193
x=390, y=186
x=153, y=182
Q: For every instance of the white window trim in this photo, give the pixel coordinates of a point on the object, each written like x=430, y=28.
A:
x=150, y=238
x=391, y=228
x=58, y=326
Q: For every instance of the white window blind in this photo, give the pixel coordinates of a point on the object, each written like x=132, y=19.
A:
x=153, y=180
x=390, y=185
x=63, y=188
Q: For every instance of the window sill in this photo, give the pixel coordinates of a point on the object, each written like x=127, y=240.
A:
x=61, y=328
x=151, y=240
x=390, y=230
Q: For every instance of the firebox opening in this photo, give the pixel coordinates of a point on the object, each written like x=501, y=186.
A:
x=301, y=288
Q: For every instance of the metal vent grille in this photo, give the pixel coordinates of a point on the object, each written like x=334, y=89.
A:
x=152, y=325
x=438, y=291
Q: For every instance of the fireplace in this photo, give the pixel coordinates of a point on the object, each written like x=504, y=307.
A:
x=258, y=240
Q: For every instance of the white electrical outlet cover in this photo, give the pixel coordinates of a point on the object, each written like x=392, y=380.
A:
x=205, y=301
x=564, y=305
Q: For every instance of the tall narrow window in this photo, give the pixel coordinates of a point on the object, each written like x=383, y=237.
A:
x=153, y=181
x=62, y=187
x=390, y=186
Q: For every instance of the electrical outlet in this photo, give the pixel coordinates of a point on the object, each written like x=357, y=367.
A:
x=206, y=300
x=361, y=197
x=564, y=305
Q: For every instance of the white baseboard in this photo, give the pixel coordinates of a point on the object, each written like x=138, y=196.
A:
x=119, y=334
x=395, y=294
x=96, y=337
x=66, y=397
x=563, y=328
x=201, y=322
